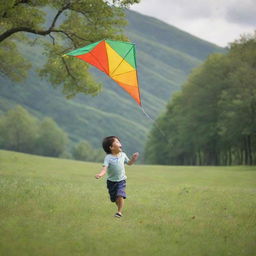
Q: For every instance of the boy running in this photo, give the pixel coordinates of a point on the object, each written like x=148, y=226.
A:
x=114, y=167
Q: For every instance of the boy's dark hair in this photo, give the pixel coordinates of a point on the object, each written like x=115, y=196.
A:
x=107, y=143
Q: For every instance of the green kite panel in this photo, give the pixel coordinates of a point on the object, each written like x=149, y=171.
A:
x=125, y=50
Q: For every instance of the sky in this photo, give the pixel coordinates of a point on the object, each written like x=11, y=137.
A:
x=216, y=21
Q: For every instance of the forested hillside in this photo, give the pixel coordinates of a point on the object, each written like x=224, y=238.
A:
x=212, y=120
x=165, y=57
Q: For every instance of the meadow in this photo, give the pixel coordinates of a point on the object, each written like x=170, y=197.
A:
x=56, y=207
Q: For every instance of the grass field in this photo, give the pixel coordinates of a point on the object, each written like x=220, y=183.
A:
x=56, y=207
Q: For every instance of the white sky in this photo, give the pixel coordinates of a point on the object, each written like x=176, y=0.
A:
x=217, y=21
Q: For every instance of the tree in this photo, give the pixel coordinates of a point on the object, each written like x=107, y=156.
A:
x=18, y=130
x=212, y=120
x=201, y=95
x=67, y=24
x=238, y=101
x=52, y=140
x=85, y=152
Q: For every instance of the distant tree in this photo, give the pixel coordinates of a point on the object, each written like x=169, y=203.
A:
x=99, y=155
x=201, y=96
x=66, y=24
x=85, y=152
x=238, y=101
x=52, y=140
x=18, y=130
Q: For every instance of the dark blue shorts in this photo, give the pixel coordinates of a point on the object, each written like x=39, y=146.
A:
x=116, y=188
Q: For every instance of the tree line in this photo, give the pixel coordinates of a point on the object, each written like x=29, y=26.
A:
x=212, y=120
x=22, y=132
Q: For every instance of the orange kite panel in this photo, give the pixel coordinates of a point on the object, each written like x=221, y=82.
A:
x=93, y=57
x=133, y=91
x=129, y=78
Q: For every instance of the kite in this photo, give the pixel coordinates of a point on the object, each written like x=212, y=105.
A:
x=115, y=58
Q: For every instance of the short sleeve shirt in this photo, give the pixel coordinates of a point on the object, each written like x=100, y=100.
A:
x=115, y=164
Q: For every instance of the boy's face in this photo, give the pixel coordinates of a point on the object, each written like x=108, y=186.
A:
x=116, y=147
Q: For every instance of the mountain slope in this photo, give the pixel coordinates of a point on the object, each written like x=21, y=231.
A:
x=165, y=57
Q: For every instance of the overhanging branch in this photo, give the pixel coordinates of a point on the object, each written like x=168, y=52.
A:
x=12, y=31
x=67, y=69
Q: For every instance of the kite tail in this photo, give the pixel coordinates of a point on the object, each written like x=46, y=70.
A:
x=154, y=122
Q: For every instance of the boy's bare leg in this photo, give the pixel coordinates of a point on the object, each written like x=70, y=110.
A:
x=120, y=204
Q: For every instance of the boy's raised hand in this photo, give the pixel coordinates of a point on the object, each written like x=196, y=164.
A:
x=135, y=156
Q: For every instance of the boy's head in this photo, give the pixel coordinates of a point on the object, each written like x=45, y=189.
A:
x=111, y=145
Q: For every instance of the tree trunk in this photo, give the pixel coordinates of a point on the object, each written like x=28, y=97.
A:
x=249, y=146
x=241, y=156
x=229, y=157
x=199, y=158
x=245, y=151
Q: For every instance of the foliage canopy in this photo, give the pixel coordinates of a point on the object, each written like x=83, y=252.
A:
x=22, y=132
x=212, y=120
x=73, y=24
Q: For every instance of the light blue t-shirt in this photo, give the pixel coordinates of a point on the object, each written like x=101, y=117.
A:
x=115, y=164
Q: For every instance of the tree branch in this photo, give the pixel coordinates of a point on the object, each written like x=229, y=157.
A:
x=12, y=31
x=66, y=34
x=79, y=37
x=65, y=7
x=67, y=69
x=21, y=2
x=53, y=39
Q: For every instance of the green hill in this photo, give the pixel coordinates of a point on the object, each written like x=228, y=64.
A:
x=165, y=57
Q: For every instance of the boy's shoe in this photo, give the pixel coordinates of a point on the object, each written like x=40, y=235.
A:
x=118, y=215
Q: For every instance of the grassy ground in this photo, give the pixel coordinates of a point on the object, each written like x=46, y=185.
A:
x=56, y=207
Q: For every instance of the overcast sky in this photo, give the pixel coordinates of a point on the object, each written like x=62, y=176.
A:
x=217, y=21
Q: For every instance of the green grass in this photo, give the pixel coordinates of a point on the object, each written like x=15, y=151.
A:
x=56, y=207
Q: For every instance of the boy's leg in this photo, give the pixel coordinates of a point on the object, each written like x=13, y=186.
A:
x=120, y=204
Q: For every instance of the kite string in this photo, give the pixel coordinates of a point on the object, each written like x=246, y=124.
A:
x=146, y=114
x=154, y=122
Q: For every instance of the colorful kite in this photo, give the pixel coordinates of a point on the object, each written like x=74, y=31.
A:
x=116, y=59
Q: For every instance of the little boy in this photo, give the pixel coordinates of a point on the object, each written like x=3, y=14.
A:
x=114, y=167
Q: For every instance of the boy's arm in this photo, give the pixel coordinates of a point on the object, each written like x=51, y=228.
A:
x=134, y=158
x=102, y=173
